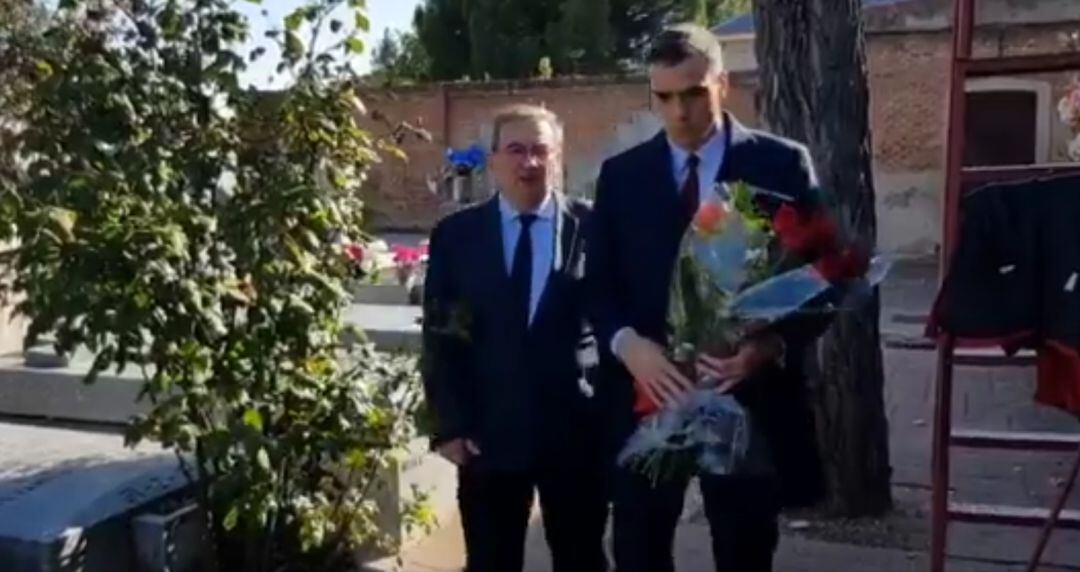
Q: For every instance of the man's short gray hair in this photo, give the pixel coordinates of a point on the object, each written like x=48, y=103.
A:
x=524, y=112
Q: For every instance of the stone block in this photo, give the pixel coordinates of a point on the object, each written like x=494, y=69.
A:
x=381, y=294
x=390, y=328
x=173, y=541
x=60, y=392
x=67, y=498
x=417, y=472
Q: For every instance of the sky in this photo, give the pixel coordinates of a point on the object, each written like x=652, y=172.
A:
x=384, y=14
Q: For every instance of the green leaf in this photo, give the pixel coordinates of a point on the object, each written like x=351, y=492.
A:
x=63, y=221
x=231, y=518
x=177, y=241
x=355, y=45
x=253, y=1
x=253, y=419
x=44, y=68
x=293, y=20
x=262, y=459
x=357, y=459
x=362, y=21
x=294, y=46
x=357, y=4
x=298, y=304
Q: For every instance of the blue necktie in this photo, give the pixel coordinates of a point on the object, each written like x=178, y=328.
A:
x=521, y=270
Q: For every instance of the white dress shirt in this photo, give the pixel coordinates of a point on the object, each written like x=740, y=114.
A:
x=542, y=233
x=710, y=159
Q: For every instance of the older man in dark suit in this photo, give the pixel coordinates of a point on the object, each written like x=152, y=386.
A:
x=503, y=318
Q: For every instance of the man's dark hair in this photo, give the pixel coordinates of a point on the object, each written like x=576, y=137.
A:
x=678, y=43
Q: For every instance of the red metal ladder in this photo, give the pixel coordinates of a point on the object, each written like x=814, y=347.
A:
x=958, y=179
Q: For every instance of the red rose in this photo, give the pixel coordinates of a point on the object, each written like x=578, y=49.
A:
x=804, y=234
x=355, y=252
x=837, y=266
x=405, y=255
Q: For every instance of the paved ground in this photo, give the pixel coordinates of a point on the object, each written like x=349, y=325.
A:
x=991, y=399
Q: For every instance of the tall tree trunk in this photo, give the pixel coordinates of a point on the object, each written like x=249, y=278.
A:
x=812, y=63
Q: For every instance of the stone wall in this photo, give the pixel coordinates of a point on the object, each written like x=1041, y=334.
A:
x=909, y=81
x=602, y=116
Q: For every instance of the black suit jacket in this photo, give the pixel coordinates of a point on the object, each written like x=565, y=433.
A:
x=634, y=238
x=516, y=393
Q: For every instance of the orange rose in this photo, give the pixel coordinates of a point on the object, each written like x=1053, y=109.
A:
x=710, y=218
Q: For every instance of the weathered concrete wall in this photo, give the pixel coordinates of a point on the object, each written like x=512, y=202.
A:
x=936, y=15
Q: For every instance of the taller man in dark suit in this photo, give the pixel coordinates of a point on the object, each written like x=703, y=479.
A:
x=644, y=202
x=503, y=318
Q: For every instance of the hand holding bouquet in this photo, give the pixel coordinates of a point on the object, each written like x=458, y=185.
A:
x=742, y=268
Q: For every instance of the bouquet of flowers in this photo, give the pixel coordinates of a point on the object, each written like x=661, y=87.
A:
x=741, y=268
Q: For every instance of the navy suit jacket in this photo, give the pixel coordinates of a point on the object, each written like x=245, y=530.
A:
x=636, y=229
x=515, y=392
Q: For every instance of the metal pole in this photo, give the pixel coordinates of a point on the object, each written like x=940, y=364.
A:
x=963, y=22
x=963, y=25
x=940, y=463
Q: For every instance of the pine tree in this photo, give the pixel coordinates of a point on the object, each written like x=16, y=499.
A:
x=581, y=40
x=442, y=29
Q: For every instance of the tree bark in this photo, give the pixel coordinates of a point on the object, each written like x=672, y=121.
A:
x=812, y=63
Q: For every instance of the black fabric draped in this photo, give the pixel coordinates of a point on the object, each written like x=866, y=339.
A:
x=1014, y=281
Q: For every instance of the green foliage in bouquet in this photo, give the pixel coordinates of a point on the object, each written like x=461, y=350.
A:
x=700, y=315
x=167, y=219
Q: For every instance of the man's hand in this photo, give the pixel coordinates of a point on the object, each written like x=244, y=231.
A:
x=657, y=376
x=459, y=451
x=730, y=372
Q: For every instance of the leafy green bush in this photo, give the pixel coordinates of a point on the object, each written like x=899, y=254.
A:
x=170, y=220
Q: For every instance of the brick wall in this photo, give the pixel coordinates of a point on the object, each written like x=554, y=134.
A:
x=908, y=82
x=602, y=116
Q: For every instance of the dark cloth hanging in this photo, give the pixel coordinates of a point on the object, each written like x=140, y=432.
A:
x=1014, y=280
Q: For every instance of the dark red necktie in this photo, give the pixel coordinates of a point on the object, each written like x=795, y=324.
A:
x=691, y=189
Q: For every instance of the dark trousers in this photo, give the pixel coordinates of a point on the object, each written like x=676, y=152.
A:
x=495, y=508
x=742, y=514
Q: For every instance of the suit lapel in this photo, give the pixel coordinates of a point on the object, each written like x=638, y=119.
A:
x=492, y=256
x=661, y=185
x=736, y=137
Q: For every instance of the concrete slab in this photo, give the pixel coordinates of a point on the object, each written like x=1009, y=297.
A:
x=390, y=328
x=67, y=497
x=381, y=294
x=60, y=392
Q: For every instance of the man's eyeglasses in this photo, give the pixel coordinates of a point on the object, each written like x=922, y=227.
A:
x=521, y=150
